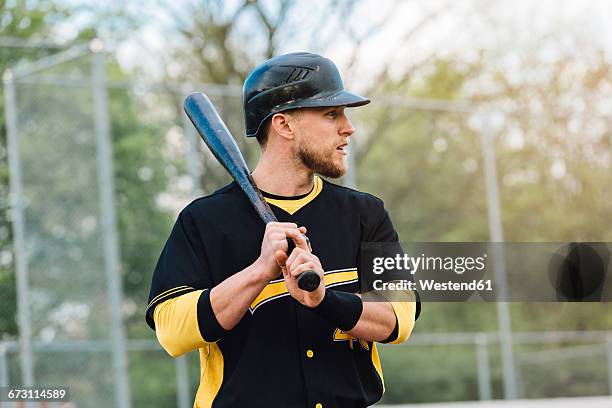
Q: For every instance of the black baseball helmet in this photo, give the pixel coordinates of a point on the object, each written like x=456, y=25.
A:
x=290, y=81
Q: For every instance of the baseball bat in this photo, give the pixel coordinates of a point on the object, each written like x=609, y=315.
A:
x=219, y=140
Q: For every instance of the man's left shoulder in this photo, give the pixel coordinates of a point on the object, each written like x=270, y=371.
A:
x=358, y=200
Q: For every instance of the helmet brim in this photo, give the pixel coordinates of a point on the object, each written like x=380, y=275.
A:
x=340, y=98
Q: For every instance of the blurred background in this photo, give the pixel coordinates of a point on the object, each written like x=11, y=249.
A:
x=490, y=121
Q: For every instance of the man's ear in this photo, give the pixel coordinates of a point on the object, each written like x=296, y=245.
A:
x=283, y=124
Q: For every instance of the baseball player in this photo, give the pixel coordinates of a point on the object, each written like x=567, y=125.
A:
x=225, y=283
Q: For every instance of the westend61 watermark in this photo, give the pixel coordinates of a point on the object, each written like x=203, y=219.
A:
x=430, y=284
x=483, y=271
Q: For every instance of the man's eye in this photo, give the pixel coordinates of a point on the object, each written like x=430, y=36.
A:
x=332, y=114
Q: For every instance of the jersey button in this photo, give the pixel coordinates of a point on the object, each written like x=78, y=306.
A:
x=319, y=405
x=310, y=354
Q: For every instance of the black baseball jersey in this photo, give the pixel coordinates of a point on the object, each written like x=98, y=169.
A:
x=281, y=353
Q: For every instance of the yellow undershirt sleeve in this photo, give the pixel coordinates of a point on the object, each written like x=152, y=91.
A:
x=405, y=313
x=176, y=324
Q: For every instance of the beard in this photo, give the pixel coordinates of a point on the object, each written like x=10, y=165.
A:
x=319, y=161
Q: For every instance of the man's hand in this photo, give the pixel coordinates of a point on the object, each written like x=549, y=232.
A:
x=274, y=245
x=299, y=261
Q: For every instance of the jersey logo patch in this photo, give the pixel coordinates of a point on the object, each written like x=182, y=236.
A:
x=276, y=289
x=339, y=335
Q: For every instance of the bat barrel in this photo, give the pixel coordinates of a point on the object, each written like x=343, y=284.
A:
x=221, y=143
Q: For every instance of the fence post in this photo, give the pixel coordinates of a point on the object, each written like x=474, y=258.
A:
x=18, y=223
x=484, y=371
x=609, y=360
x=497, y=237
x=4, y=380
x=182, y=382
x=109, y=224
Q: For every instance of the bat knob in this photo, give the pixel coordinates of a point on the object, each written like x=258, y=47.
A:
x=309, y=281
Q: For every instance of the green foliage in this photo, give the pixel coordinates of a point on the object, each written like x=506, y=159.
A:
x=570, y=377
x=139, y=178
x=19, y=20
x=152, y=379
x=413, y=374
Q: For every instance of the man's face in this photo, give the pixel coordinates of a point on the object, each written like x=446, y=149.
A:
x=322, y=135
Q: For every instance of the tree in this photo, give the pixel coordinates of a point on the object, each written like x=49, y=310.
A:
x=22, y=26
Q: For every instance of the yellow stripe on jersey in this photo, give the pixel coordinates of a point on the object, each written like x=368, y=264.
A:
x=176, y=324
x=276, y=289
x=168, y=293
x=292, y=206
x=337, y=277
x=377, y=365
x=211, y=375
x=271, y=291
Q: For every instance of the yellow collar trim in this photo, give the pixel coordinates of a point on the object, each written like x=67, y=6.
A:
x=292, y=206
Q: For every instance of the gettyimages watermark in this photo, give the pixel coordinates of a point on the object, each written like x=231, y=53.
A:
x=485, y=271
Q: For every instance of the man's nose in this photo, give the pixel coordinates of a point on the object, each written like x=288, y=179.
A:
x=347, y=128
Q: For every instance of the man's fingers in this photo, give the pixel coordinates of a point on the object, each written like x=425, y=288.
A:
x=301, y=268
x=280, y=225
x=277, y=237
x=297, y=257
x=298, y=238
x=281, y=260
x=293, y=256
x=278, y=234
x=280, y=243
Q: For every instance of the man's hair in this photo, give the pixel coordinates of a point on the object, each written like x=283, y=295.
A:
x=262, y=135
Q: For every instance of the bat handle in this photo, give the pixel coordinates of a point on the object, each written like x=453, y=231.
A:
x=308, y=280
